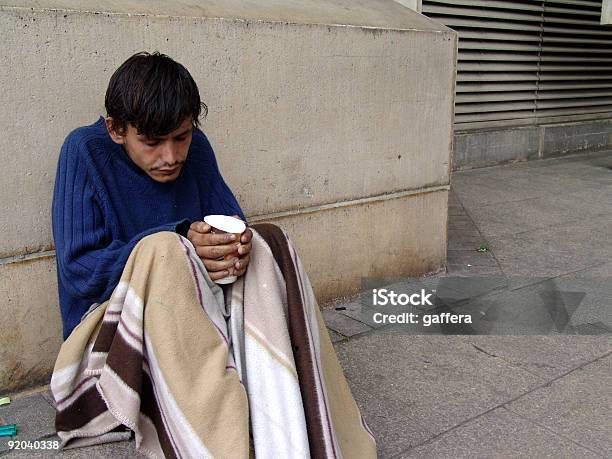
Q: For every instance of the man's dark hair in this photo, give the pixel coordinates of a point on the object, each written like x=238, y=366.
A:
x=153, y=93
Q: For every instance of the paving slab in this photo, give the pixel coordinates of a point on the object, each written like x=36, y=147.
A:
x=497, y=188
x=589, y=167
x=596, y=284
x=558, y=234
x=555, y=251
x=390, y=422
x=460, y=222
x=520, y=181
x=602, y=158
x=453, y=199
x=440, y=380
x=474, y=258
x=500, y=434
x=471, y=233
x=539, y=212
x=565, y=178
x=470, y=242
x=576, y=406
x=455, y=225
x=597, y=328
x=473, y=286
x=48, y=396
x=456, y=210
x=470, y=270
x=360, y=312
x=335, y=337
x=548, y=357
x=343, y=324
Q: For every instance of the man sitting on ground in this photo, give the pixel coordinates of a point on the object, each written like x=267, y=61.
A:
x=153, y=345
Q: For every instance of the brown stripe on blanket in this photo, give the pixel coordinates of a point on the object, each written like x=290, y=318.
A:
x=85, y=408
x=105, y=336
x=150, y=408
x=75, y=389
x=90, y=404
x=298, y=334
x=126, y=362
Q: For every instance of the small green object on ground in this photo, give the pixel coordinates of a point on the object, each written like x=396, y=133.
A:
x=483, y=248
x=5, y=400
x=9, y=430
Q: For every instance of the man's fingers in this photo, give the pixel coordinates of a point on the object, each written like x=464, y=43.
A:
x=216, y=275
x=242, y=264
x=200, y=239
x=215, y=251
x=246, y=236
x=220, y=238
x=197, y=233
x=200, y=227
x=219, y=265
x=245, y=248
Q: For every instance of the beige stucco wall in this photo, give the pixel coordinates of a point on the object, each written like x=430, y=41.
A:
x=606, y=12
x=325, y=129
x=415, y=5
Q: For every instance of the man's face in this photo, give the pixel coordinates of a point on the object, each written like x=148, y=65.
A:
x=162, y=158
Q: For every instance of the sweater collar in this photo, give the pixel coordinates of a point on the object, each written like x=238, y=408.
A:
x=119, y=152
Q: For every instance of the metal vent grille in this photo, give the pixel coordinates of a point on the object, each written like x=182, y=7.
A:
x=527, y=61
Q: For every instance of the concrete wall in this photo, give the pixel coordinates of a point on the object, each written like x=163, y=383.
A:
x=606, y=12
x=330, y=118
x=480, y=148
x=415, y=5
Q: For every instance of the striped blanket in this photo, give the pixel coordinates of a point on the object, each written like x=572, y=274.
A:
x=195, y=371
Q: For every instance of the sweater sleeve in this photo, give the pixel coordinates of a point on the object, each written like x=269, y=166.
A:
x=89, y=260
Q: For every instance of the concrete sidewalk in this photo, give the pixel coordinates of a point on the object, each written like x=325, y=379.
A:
x=541, y=282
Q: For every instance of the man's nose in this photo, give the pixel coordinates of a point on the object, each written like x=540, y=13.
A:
x=170, y=154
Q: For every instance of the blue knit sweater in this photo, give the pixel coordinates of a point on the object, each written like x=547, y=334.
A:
x=103, y=204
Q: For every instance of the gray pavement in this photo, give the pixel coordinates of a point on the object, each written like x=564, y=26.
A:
x=531, y=377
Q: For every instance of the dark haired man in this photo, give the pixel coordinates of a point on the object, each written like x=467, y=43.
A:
x=153, y=345
x=143, y=169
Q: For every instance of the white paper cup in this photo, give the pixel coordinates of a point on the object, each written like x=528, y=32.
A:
x=226, y=224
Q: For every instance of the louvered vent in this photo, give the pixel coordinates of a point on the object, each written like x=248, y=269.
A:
x=528, y=62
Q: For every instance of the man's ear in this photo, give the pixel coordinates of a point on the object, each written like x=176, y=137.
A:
x=116, y=136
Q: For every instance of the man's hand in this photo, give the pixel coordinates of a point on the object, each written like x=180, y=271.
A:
x=212, y=247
